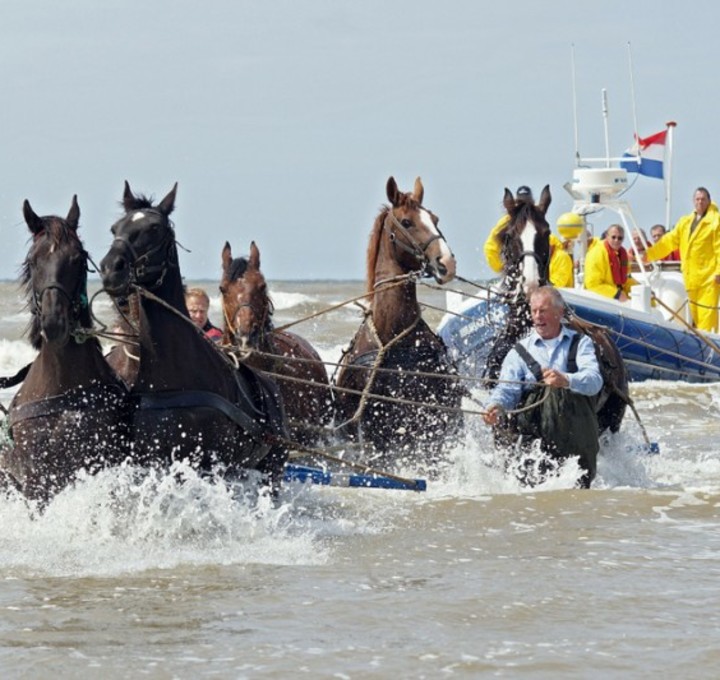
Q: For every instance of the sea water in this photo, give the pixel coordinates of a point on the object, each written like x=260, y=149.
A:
x=130, y=575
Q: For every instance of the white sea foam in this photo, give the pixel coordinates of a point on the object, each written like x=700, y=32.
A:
x=124, y=520
x=14, y=354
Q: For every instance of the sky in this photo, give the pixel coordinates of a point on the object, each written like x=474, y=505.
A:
x=281, y=120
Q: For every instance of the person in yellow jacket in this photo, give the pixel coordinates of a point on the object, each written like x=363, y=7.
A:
x=607, y=266
x=561, y=272
x=697, y=236
x=561, y=265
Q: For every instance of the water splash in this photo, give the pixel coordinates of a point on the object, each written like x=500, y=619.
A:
x=127, y=520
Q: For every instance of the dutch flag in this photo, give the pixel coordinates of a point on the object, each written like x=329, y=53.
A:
x=650, y=154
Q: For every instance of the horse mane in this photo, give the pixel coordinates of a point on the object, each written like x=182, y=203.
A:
x=237, y=268
x=373, y=250
x=55, y=234
x=269, y=304
x=519, y=215
x=139, y=201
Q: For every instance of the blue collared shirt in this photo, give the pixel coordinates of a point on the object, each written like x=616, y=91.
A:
x=587, y=380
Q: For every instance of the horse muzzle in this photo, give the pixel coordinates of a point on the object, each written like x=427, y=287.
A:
x=443, y=268
x=54, y=327
x=115, y=274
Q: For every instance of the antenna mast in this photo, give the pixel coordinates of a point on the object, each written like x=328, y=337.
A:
x=605, y=123
x=574, y=95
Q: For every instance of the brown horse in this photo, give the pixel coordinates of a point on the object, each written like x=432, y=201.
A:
x=192, y=403
x=395, y=390
x=71, y=412
x=526, y=260
x=290, y=359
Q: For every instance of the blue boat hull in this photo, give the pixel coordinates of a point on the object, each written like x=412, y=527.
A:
x=651, y=351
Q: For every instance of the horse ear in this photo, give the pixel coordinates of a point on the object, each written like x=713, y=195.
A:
x=73, y=216
x=167, y=205
x=254, y=260
x=508, y=200
x=392, y=191
x=545, y=199
x=226, y=257
x=128, y=200
x=31, y=219
x=418, y=190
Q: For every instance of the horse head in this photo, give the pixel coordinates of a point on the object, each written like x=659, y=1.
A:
x=526, y=241
x=143, y=250
x=247, y=306
x=415, y=241
x=55, y=277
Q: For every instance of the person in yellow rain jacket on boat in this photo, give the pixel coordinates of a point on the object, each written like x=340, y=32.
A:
x=607, y=266
x=697, y=236
x=561, y=264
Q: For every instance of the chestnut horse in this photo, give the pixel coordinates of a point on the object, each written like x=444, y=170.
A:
x=191, y=402
x=290, y=359
x=526, y=261
x=395, y=386
x=71, y=413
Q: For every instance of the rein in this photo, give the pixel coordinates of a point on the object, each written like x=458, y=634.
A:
x=202, y=398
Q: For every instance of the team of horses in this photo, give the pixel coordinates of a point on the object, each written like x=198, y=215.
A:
x=165, y=392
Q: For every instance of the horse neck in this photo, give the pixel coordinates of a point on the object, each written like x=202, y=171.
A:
x=266, y=340
x=62, y=368
x=172, y=354
x=158, y=323
x=394, y=307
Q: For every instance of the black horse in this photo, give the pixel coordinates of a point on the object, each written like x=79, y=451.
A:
x=71, y=412
x=192, y=403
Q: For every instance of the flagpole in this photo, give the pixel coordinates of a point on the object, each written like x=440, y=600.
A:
x=670, y=125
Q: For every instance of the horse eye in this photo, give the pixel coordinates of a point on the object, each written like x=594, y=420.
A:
x=406, y=223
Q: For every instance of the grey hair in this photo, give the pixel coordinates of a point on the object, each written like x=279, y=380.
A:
x=553, y=295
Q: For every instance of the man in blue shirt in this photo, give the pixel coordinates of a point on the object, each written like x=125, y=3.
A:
x=556, y=370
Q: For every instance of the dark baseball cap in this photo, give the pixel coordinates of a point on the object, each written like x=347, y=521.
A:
x=523, y=192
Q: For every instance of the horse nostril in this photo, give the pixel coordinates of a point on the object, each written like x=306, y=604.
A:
x=119, y=264
x=112, y=265
x=440, y=267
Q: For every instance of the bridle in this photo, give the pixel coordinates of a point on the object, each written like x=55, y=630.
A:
x=515, y=261
x=263, y=314
x=409, y=244
x=77, y=301
x=141, y=268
